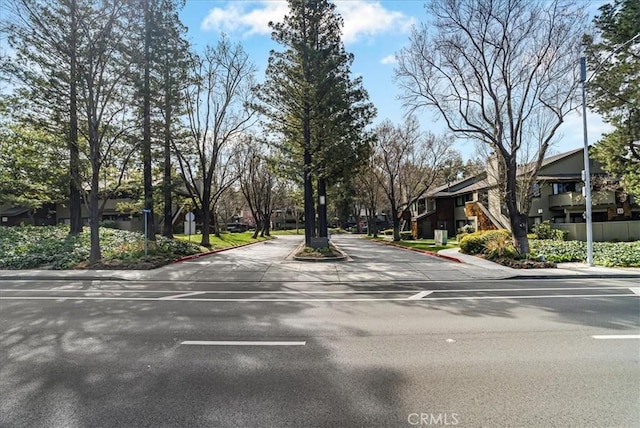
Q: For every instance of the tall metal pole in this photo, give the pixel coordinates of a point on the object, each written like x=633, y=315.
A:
x=587, y=172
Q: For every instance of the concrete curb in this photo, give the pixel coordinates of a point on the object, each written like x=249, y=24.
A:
x=427, y=252
x=208, y=253
x=293, y=256
x=577, y=276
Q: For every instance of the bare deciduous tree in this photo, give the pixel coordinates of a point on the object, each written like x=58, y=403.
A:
x=409, y=163
x=258, y=185
x=217, y=104
x=503, y=72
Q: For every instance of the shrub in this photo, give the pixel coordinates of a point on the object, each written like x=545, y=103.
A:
x=467, y=228
x=545, y=231
x=109, y=224
x=499, y=246
x=474, y=243
x=406, y=235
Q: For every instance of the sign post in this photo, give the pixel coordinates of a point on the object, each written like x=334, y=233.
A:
x=189, y=224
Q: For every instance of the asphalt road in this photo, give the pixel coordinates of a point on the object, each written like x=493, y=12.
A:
x=529, y=353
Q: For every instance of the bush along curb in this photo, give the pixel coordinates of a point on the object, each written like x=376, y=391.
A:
x=208, y=253
x=417, y=250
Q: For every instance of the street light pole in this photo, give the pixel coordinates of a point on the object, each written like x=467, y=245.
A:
x=587, y=171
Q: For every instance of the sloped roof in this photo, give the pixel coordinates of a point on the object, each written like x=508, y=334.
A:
x=479, y=182
x=14, y=211
x=457, y=186
x=548, y=161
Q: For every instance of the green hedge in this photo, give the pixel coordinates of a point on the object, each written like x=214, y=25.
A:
x=622, y=254
x=544, y=230
x=474, y=243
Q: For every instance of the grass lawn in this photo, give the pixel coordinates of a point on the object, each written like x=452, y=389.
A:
x=288, y=232
x=226, y=240
x=422, y=244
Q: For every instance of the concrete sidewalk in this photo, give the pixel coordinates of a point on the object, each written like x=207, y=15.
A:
x=564, y=270
x=372, y=262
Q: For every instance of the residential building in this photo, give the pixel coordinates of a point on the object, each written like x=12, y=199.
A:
x=557, y=197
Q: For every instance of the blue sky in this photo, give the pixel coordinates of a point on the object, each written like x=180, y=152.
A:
x=374, y=31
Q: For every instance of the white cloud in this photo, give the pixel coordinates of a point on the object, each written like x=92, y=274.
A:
x=389, y=59
x=362, y=19
x=366, y=19
x=234, y=17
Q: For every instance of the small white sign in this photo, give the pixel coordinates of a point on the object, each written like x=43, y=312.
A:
x=190, y=216
x=540, y=210
x=5, y=219
x=620, y=210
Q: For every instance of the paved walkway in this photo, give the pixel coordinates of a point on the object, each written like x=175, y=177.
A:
x=271, y=261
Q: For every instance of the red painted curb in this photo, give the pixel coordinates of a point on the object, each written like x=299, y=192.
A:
x=208, y=253
x=431, y=253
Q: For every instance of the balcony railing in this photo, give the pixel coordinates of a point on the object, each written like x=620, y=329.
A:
x=573, y=199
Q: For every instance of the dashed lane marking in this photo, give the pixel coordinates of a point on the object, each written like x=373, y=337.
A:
x=177, y=296
x=420, y=295
x=617, y=336
x=240, y=343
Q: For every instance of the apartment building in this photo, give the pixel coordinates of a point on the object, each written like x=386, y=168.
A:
x=557, y=197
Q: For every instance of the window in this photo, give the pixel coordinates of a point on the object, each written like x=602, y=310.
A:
x=577, y=218
x=566, y=187
x=461, y=200
x=536, y=190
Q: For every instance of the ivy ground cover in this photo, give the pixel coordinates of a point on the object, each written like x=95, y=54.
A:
x=31, y=247
x=610, y=254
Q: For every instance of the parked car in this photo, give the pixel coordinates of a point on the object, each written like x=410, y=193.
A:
x=237, y=227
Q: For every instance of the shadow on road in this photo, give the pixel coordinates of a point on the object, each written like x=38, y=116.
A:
x=80, y=364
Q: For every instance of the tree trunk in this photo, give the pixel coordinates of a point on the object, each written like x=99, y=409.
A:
x=206, y=227
x=168, y=212
x=75, y=202
x=215, y=222
x=309, y=210
x=396, y=225
x=94, y=220
x=146, y=125
x=517, y=220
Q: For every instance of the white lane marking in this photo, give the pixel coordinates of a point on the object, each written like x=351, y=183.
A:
x=394, y=299
x=472, y=290
x=420, y=295
x=177, y=296
x=240, y=343
x=635, y=290
x=617, y=336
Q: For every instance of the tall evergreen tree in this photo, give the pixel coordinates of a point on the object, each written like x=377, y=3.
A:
x=46, y=34
x=614, y=57
x=173, y=61
x=313, y=105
